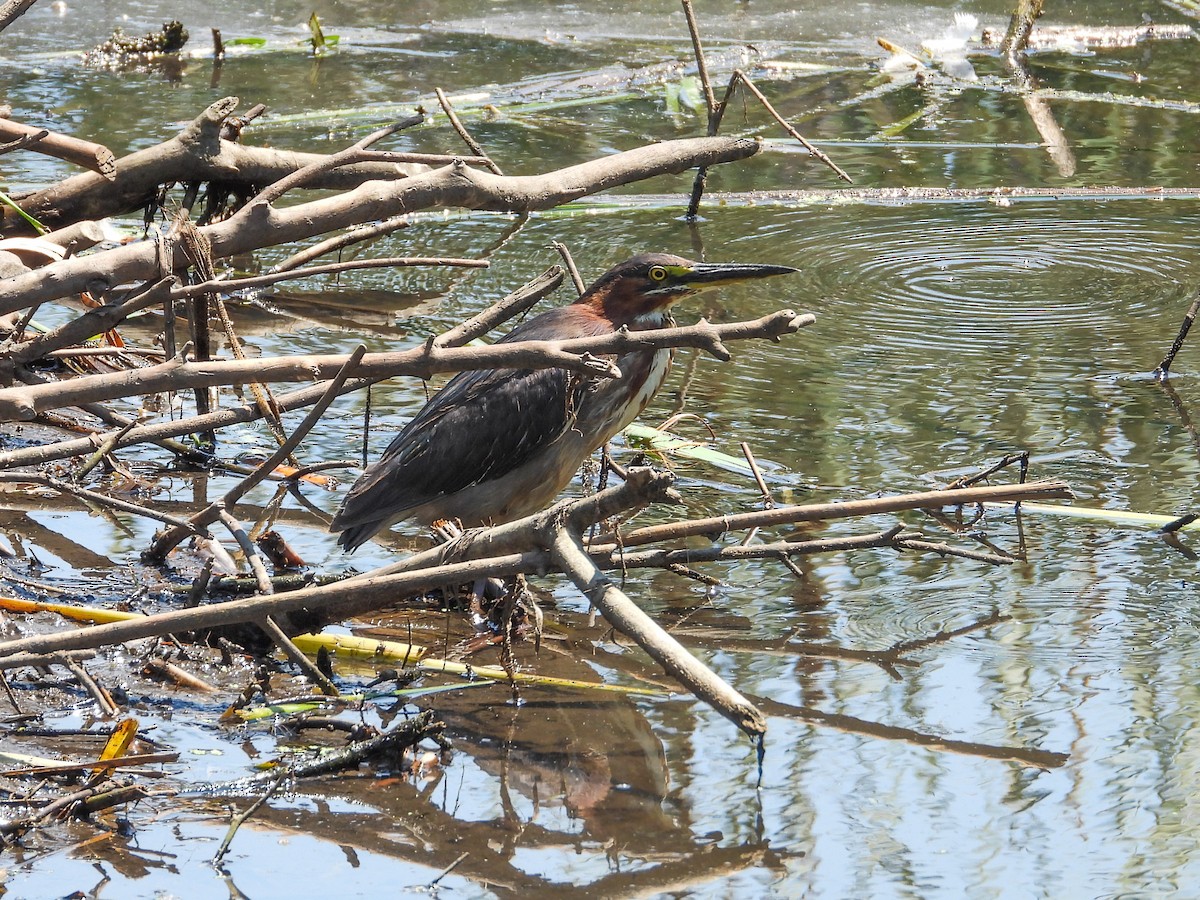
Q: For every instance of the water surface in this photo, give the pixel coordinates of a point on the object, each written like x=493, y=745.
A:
x=947, y=335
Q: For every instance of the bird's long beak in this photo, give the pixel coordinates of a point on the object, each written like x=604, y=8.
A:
x=709, y=275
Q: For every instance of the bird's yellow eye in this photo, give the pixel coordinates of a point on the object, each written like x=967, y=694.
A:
x=657, y=273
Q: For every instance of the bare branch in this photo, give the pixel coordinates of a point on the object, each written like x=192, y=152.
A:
x=452, y=186
x=578, y=355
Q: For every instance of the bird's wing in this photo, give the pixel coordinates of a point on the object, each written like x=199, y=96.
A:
x=481, y=425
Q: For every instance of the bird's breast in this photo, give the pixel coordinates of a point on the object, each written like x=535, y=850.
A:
x=612, y=404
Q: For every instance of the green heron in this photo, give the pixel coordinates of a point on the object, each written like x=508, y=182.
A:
x=495, y=445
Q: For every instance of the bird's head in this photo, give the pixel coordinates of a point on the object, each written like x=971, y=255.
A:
x=643, y=288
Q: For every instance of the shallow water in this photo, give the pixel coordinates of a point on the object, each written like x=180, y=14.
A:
x=947, y=335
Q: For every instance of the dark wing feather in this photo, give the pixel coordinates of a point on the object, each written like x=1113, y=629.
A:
x=481, y=425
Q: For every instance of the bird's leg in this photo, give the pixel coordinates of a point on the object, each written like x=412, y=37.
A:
x=481, y=588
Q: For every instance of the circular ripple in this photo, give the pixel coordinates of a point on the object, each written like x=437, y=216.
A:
x=936, y=278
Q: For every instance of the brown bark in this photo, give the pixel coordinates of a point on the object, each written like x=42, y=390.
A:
x=457, y=185
x=26, y=402
x=96, y=157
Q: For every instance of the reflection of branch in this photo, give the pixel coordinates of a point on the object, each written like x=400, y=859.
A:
x=684, y=876
x=1041, y=759
x=1181, y=410
x=889, y=659
x=1053, y=137
x=945, y=635
x=1013, y=52
x=406, y=734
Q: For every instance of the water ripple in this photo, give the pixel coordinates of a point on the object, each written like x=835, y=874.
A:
x=925, y=275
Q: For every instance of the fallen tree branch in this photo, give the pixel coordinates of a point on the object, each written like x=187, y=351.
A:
x=83, y=153
x=789, y=515
x=623, y=614
x=196, y=154
x=514, y=304
x=336, y=601
x=456, y=185
x=1041, y=759
x=26, y=402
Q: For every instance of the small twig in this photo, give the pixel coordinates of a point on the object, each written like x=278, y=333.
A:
x=1005, y=461
x=249, y=551
x=89, y=684
x=714, y=112
x=685, y=572
x=340, y=241
x=450, y=868
x=351, y=154
x=43, y=660
x=296, y=655
x=710, y=100
x=229, y=285
x=943, y=549
x=23, y=141
x=8, y=692
x=812, y=151
x=1163, y=371
x=278, y=778
x=161, y=669
x=768, y=500
x=462, y=131
x=569, y=261
x=106, y=447
x=788, y=515
x=520, y=300
x=314, y=468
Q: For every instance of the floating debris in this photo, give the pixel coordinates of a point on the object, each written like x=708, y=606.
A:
x=120, y=49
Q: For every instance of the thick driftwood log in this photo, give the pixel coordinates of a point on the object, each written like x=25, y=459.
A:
x=24, y=403
x=459, y=185
x=198, y=154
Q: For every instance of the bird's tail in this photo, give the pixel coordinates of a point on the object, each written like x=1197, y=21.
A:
x=356, y=535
